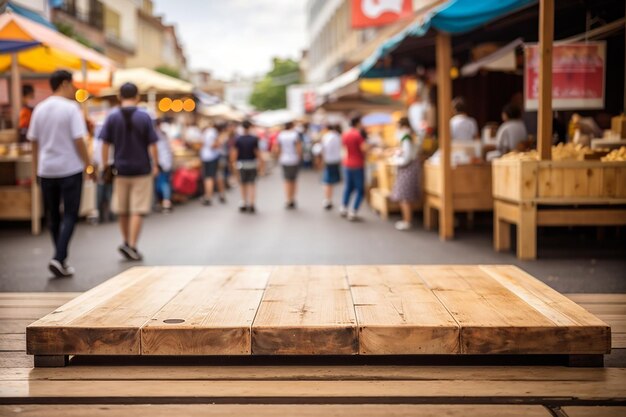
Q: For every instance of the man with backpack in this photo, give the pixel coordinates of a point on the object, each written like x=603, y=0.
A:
x=133, y=135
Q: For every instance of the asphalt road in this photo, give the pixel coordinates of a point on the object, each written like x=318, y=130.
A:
x=570, y=260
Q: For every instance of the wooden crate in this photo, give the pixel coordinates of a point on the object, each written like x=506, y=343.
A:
x=386, y=175
x=524, y=189
x=383, y=205
x=560, y=182
x=15, y=203
x=471, y=190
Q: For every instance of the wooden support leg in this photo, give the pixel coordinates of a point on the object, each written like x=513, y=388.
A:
x=527, y=232
x=51, y=361
x=470, y=220
x=428, y=216
x=501, y=233
x=586, y=361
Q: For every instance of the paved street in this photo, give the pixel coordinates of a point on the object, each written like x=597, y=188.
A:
x=570, y=260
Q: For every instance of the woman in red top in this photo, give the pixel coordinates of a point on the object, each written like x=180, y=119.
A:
x=354, y=165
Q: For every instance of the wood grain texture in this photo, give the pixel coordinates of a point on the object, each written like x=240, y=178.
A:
x=369, y=391
x=264, y=410
x=306, y=310
x=107, y=319
x=397, y=314
x=216, y=308
x=578, y=330
x=494, y=319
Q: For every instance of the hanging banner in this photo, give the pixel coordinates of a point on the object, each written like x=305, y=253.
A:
x=372, y=13
x=578, y=81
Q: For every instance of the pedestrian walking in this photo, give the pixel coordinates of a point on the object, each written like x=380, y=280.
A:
x=289, y=149
x=163, y=182
x=57, y=131
x=354, y=167
x=210, y=155
x=331, y=157
x=133, y=135
x=247, y=162
x=406, y=190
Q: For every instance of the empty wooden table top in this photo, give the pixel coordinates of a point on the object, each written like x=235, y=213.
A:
x=320, y=310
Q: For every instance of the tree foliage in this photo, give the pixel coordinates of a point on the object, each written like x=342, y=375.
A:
x=172, y=72
x=271, y=92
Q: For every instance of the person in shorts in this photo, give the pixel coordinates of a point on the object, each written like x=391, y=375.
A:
x=331, y=155
x=289, y=149
x=246, y=159
x=132, y=133
x=210, y=155
x=57, y=131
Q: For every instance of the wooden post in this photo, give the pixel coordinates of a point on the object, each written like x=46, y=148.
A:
x=544, y=114
x=444, y=98
x=16, y=90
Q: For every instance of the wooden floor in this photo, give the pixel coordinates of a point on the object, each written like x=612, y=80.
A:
x=97, y=388
x=320, y=310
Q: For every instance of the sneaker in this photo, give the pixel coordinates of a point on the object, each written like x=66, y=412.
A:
x=243, y=207
x=291, y=205
x=166, y=210
x=251, y=209
x=206, y=202
x=130, y=253
x=353, y=217
x=59, y=269
x=402, y=225
x=328, y=205
x=343, y=212
x=222, y=199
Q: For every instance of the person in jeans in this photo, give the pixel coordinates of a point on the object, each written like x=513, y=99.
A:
x=331, y=155
x=246, y=159
x=289, y=149
x=132, y=133
x=354, y=166
x=162, y=184
x=57, y=131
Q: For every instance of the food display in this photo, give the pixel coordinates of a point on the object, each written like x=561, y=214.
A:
x=615, y=155
x=561, y=152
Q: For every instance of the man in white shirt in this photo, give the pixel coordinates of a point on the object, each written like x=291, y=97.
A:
x=462, y=127
x=512, y=132
x=289, y=148
x=57, y=131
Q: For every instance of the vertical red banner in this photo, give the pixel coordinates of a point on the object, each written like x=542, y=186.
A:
x=372, y=13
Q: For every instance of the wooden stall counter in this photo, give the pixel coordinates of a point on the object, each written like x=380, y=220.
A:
x=530, y=193
x=471, y=190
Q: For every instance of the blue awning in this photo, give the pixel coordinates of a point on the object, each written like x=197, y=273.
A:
x=454, y=17
x=30, y=14
x=10, y=46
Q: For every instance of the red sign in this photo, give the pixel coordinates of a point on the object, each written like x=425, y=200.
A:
x=577, y=76
x=369, y=13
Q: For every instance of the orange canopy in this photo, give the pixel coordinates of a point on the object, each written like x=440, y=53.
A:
x=56, y=50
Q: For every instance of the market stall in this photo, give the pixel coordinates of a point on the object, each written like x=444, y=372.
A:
x=47, y=51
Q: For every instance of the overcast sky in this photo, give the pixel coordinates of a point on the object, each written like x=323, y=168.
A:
x=236, y=36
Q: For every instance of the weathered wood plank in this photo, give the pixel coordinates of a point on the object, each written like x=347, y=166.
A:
x=212, y=315
x=578, y=411
x=306, y=310
x=108, y=324
x=584, y=333
x=14, y=326
x=302, y=391
x=25, y=313
x=397, y=314
x=597, y=298
x=266, y=410
x=492, y=318
x=12, y=342
x=15, y=360
x=315, y=373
